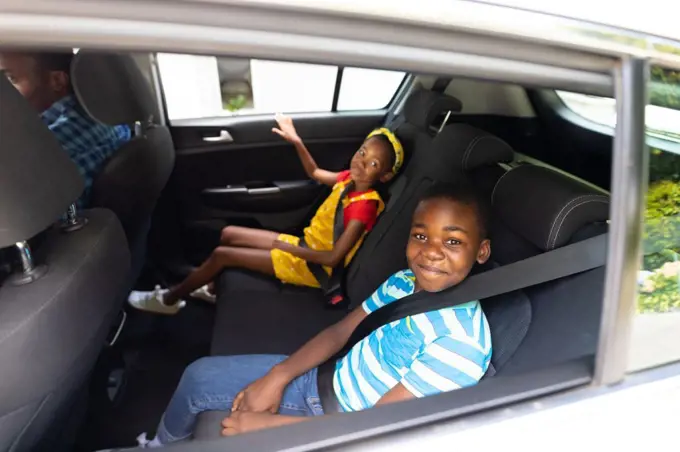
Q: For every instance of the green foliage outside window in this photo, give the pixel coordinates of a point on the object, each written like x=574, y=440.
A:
x=660, y=291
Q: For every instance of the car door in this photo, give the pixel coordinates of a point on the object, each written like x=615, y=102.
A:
x=231, y=169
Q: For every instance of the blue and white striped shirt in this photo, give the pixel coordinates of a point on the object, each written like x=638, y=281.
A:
x=427, y=353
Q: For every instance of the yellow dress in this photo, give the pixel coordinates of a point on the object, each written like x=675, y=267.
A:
x=318, y=236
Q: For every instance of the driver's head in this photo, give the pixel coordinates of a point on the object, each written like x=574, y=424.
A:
x=41, y=77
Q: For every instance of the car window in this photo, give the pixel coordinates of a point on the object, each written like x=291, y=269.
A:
x=206, y=86
x=662, y=114
x=657, y=323
x=367, y=89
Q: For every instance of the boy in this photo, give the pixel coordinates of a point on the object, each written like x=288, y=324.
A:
x=417, y=356
x=377, y=160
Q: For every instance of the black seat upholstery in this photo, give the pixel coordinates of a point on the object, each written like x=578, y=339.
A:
x=112, y=89
x=249, y=320
x=537, y=210
x=51, y=329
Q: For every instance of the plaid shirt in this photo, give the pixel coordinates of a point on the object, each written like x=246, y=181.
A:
x=89, y=143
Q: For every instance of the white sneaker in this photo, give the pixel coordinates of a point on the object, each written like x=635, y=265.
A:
x=143, y=442
x=202, y=293
x=152, y=301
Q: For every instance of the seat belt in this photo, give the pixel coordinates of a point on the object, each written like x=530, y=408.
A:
x=559, y=263
x=440, y=85
x=332, y=284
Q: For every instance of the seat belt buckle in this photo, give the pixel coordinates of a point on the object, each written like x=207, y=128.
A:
x=336, y=300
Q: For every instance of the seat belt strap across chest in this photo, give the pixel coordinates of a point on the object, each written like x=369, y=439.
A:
x=332, y=284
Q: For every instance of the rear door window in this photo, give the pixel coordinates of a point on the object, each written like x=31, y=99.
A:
x=206, y=87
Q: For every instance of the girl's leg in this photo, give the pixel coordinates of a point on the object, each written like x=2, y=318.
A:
x=211, y=384
x=240, y=237
x=224, y=256
x=248, y=237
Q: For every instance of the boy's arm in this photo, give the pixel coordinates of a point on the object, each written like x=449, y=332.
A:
x=248, y=421
x=343, y=246
x=265, y=394
x=286, y=130
x=398, y=393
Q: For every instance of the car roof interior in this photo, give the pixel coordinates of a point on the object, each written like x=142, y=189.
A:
x=546, y=178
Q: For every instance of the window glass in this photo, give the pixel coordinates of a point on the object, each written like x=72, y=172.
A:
x=368, y=89
x=291, y=87
x=662, y=115
x=656, y=330
x=206, y=86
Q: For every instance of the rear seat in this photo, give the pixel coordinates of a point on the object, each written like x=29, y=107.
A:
x=537, y=210
x=282, y=318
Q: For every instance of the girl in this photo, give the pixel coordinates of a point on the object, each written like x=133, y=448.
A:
x=377, y=160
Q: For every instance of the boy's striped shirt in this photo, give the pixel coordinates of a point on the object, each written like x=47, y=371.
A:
x=428, y=353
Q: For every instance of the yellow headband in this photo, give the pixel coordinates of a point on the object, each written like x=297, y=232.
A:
x=396, y=146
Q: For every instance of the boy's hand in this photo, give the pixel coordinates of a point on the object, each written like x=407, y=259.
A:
x=261, y=395
x=247, y=421
x=286, y=129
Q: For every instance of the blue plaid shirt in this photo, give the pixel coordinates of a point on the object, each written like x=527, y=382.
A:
x=89, y=143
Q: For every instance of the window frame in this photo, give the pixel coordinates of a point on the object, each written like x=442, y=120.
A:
x=418, y=414
x=473, y=57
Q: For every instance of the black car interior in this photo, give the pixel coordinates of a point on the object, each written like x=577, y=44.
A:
x=161, y=202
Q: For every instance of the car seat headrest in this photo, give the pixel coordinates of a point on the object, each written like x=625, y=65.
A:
x=422, y=107
x=545, y=207
x=38, y=181
x=112, y=89
x=468, y=148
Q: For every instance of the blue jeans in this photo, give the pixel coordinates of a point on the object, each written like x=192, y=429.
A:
x=211, y=384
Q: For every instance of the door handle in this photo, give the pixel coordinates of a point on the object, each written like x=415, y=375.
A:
x=223, y=137
x=264, y=191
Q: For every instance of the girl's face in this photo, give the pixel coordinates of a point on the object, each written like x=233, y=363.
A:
x=371, y=163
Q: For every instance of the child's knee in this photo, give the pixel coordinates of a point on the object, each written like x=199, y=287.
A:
x=221, y=254
x=227, y=235
x=199, y=374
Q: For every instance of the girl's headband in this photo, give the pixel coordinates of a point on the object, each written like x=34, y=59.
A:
x=396, y=146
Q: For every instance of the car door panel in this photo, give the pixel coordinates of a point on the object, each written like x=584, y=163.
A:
x=254, y=197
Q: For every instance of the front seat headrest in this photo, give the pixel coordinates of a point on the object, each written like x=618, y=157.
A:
x=422, y=107
x=38, y=181
x=545, y=207
x=112, y=89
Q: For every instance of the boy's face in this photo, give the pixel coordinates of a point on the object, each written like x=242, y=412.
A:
x=445, y=243
x=371, y=163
